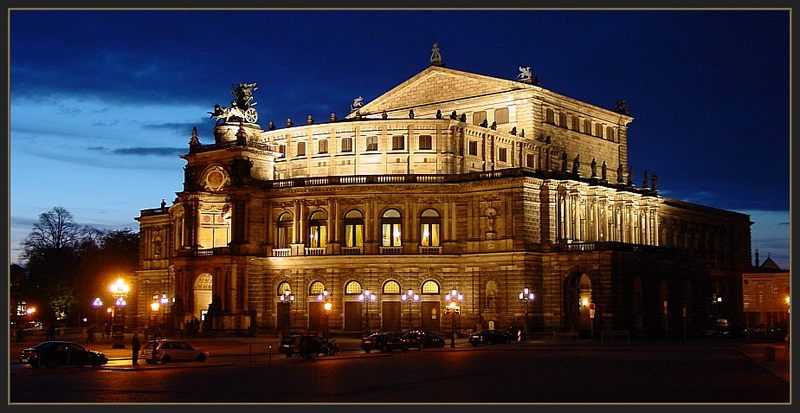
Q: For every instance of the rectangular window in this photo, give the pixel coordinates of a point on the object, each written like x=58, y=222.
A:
x=598, y=130
x=478, y=117
x=529, y=159
x=301, y=149
x=576, y=124
x=587, y=127
x=323, y=146
x=501, y=116
x=473, y=148
x=501, y=154
x=425, y=142
x=282, y=150
x=430, y=235
x=347, y=145
x=354, y=235
x=398, y=143
x=390, y=235
x=372, y=143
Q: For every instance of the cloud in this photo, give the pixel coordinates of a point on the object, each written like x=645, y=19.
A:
x=180, y=127
x=152, y=151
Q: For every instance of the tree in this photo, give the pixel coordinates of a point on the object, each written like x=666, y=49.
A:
x=56, y=229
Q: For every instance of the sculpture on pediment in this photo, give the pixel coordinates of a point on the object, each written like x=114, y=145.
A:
x=563, y=162
x=525, y=74
x=576, y=164
x=241, y=109
x=436, y=56
x=594, y=168
x=653, y=182
x=644, y=180
x=357, y=103
x=620, y=106
x=603, y=171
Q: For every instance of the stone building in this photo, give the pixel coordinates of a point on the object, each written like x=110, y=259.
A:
x=450, y=180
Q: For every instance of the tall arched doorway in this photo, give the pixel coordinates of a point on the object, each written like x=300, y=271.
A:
x=202, y=295
x=577, y=298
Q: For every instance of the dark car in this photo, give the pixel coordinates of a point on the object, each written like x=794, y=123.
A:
x=515, y=334
x=171, y=350
x=384, y=342
x=61, y=353
x=423, y=339
x=307, y=344
x=487, y=337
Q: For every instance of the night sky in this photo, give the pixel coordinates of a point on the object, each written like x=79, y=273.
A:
x=103, y=102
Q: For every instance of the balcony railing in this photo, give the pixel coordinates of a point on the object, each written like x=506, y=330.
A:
x=315, y=251
x=352, y=250
x=430, y=250
x=281, y=252
x=391, y=250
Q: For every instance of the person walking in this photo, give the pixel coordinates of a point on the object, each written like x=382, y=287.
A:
x=135, y=346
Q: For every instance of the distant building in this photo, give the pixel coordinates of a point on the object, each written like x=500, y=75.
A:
x=765, y=293
x=450, y=180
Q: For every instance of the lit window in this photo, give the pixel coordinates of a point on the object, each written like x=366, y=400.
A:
x=285, y=230
x=352, y=288
x=317, y=230
x=430, y=225
x=353, y=229
x=430, y=287
x=391, y=287
x=316, y=288
x=390, y=228
x=284, y=287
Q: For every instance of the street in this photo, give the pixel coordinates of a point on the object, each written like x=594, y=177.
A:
x=653, y=373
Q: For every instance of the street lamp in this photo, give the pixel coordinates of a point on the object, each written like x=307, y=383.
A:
x=526, y=296
x=453, y=308
x=97, y=303
x=154, y=307
x=164, y=304
x=365, y=297
x=119, y=290
x=287, y=298
x=325, y=298
x=410, y=297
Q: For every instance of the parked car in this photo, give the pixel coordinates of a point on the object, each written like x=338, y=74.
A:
x=168, y=350
x=61, y=353
x=32, y=328
x=423, y=339
x=487, y=337
x=515, y=334
x=291, y=344
x=383, y=341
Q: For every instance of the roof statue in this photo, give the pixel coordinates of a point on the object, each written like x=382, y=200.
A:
x=525, y=73
x=620, y=106
x=436, y=57
x=241, y=109
x=357, y=103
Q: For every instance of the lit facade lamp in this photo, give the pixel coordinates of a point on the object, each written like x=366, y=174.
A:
x=526, y=297
x=454, y=298
x=410, y=297
x=97, y=303
x=365, y=297
x=164, y=303
x=325, y=298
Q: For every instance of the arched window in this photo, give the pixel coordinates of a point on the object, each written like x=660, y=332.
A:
x=390, y=228
x=284, y=287
x=430, y=287
x=353, y=229
x=391, y=287
x=318, y=230
x=550, y=116
x=430, y=224
x=285, y=228
x=316, y=288
x=352, y=288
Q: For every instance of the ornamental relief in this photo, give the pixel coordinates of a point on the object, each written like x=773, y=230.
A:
x=215, y=178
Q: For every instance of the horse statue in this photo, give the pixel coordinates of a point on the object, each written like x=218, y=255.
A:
x=241, y=108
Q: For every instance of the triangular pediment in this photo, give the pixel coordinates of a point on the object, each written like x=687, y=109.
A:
x=438, y=84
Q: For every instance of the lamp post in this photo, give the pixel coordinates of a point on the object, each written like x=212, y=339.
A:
x=97, y=303
x=526, y=297
x=453, y=308
x=164, y=303
x=410, y=297
x=325, y=298
x=365, y=297
x=119, y=290
x=154, y=306
x=287, y=298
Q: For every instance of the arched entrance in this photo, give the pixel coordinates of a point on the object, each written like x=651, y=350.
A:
x=202, y=295
x=577, y=298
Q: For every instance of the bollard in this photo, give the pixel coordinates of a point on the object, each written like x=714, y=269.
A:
x=250, y=354
x=269, y=350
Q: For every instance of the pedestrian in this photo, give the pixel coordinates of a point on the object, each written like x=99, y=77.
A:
x=135, y=346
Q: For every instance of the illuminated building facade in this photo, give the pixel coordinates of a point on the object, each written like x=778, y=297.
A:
x=450, y=180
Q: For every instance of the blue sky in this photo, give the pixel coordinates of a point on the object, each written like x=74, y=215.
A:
x=103, y=102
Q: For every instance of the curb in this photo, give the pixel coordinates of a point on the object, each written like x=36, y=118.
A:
x=765, y=367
